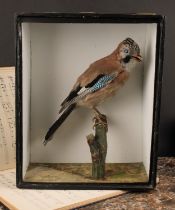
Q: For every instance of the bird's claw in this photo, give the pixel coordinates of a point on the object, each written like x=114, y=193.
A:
x=45, y=142
x=100, y=119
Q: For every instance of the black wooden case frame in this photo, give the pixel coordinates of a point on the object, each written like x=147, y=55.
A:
x=89, y=18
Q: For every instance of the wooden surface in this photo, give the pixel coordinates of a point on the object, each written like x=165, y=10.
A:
x=162, y=198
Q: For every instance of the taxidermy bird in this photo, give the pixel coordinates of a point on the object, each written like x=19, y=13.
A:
x=100, y=81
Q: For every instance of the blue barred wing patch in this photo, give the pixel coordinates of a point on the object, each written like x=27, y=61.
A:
x=102, y=82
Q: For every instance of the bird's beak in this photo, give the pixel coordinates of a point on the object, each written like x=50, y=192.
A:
x=137, y=57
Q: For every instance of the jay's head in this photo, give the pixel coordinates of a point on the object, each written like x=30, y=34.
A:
x=128, y=50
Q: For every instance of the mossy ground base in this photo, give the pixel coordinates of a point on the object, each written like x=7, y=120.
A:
x=81, y=172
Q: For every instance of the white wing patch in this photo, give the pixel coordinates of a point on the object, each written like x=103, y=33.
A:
x=82, y=90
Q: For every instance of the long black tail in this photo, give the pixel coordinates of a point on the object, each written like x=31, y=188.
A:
x=58, y=123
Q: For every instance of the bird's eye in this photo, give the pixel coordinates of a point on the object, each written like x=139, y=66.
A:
x=126, y=51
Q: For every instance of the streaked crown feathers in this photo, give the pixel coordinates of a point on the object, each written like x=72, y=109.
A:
x=132, y=44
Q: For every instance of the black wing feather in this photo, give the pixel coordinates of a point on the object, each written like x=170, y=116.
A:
x=71, y=95
x=94, y=81
x=74, y=92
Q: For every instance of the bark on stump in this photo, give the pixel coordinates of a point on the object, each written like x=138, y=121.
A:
x=98, y=148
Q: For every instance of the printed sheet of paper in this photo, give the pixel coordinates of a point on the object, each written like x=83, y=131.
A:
x=22, y=199
x=7, y=118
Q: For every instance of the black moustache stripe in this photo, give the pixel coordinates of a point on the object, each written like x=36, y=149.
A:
x=127, y=59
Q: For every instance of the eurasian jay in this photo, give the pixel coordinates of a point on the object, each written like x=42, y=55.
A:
x=100, y=81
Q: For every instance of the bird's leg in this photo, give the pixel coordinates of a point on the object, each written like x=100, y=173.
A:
x=98, y=115
x=100, y=119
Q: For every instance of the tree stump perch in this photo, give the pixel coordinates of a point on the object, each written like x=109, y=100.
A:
x=98, y=147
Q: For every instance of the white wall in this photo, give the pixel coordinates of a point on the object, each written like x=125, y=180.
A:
x=53, y=76
x=26, y=94
x=148, y=92
x=59, y=54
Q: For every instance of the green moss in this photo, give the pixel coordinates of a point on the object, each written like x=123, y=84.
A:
x=81, y=172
